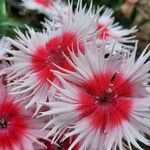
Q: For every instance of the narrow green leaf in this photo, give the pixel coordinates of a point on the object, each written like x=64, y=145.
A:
x=3, y=11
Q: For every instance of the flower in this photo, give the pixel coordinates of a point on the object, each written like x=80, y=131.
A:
x=113, y=33
x=41, y=5
x=18, y=130
x=51, y=8
x=36, y=52
x=105, y=99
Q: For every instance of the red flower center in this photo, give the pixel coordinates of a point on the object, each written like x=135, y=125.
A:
x=13, y=124
x=104, y=34
x=45, y=3
x=105, y=100
x=44, y=57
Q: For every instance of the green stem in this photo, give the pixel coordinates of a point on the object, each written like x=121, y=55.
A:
x=3, y=11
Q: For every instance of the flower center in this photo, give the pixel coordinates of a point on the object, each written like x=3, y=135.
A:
x=3, y=123
x=105, y=100
x=109, y=96
x=105, y=95
x=52, y=52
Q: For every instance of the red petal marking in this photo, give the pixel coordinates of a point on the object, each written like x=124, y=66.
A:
x=111, y=115
x=16, y=124
x=52, y=53
x=45, y=3
x=65, y=145
x=104, y=34
x=112, y=112
x=100, y=83
x=49, y=145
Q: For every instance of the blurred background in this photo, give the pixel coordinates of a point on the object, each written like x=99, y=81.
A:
x=127, y=12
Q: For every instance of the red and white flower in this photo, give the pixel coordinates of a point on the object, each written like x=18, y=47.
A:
x=18, y=130
x=113, y=34
x=50, y=8
x=36, y=52
x=104, y=99
x=41, y=5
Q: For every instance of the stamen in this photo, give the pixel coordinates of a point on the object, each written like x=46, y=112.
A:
x=109, y=91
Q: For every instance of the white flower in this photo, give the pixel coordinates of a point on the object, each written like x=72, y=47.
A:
x=103, y=102
x=36, y=52
x=113, y=33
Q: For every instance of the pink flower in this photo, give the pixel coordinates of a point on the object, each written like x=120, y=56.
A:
x=102, y=103
x=113, y=34
x=18, y=130
x=37, y=53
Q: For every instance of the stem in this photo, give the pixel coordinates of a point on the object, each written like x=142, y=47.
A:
x=3, y=11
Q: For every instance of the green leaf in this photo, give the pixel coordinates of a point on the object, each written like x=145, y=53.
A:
x=3, y=11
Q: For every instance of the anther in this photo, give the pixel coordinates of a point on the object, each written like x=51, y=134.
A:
x=109, y=91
